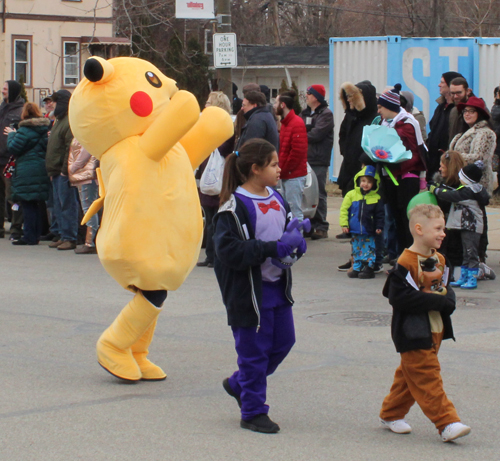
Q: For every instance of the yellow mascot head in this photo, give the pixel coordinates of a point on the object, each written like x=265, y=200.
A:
x=117, y=99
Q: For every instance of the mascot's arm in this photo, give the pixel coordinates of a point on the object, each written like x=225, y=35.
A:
x=97, y=204
x=171, y=125
x=213, y=128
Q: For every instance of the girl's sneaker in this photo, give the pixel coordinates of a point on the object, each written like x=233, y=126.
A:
x=261, y=423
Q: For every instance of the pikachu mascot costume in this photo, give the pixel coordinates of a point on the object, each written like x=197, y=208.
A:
x=149, y=138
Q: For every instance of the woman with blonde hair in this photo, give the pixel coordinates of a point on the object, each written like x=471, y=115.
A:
x=210, y=203
x=30, y=182
x=219, y=99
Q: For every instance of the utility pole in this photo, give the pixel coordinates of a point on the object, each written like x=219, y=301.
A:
x=224, y=76
x=436, y=17
x=274, y=17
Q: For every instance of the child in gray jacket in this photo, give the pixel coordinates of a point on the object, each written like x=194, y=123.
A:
x=467, y=215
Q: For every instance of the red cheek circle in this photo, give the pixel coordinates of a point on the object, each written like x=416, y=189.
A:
x=141, y=104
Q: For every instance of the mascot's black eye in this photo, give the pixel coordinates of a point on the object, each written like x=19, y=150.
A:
x=153, y=79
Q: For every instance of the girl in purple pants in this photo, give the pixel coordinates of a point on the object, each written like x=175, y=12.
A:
x=250, y=243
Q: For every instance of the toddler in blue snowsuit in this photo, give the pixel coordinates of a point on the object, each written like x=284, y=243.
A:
x=362, y=215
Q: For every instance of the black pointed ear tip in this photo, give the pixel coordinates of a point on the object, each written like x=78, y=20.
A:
x=93, y=70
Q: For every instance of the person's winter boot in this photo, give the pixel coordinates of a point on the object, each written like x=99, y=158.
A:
x=367, y=273
x=471, y=283
x=114, y=351
x=88, y=248
x=150, y=371
x=464, y=275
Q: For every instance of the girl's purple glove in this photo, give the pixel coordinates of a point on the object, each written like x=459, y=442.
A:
x=292, y=235
x=283, y=249
x=292, y=238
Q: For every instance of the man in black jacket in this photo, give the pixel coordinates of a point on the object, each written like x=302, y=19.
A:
x=10, y=114
x=438, y=140
x=319, y=124
x=260, y=123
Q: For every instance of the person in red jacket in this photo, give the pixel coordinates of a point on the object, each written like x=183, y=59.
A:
x=292, y=152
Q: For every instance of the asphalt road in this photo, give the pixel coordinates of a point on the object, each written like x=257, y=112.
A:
x=58, y=404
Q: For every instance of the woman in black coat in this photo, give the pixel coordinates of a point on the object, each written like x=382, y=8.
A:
x=360, y=105
x=30, y=182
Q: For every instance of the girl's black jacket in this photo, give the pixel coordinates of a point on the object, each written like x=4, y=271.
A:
x=238, y=257
x=410, y=327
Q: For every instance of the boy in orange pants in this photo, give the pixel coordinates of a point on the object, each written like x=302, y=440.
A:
x=422, y=305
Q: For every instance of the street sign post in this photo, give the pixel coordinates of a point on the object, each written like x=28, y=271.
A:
x=225, y=51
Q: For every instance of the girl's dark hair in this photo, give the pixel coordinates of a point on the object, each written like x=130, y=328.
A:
x=31, y=110
x=238, y=168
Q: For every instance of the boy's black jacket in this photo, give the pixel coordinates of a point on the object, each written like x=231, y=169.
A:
x=237, y=263
x=410, y=327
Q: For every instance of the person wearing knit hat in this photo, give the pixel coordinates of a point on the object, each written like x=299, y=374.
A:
x=407, y=173
x=318, y=91
x=449, y=76
x=390, y=99
x=319, y=125
x=467, y=215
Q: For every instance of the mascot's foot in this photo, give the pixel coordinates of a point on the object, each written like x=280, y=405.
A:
x=121, y=377
x=150, y=371
x=114, y=351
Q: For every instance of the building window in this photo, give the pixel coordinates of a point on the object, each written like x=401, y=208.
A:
x=22, y=60
x=71, y=63
x=209, y=42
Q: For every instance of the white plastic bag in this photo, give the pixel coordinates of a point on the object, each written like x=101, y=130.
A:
x=211, y=179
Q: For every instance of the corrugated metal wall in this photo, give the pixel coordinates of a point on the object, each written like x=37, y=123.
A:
x=487, y=70
x=354, y=60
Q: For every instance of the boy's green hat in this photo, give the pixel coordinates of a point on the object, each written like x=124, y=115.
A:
x=424, y=198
